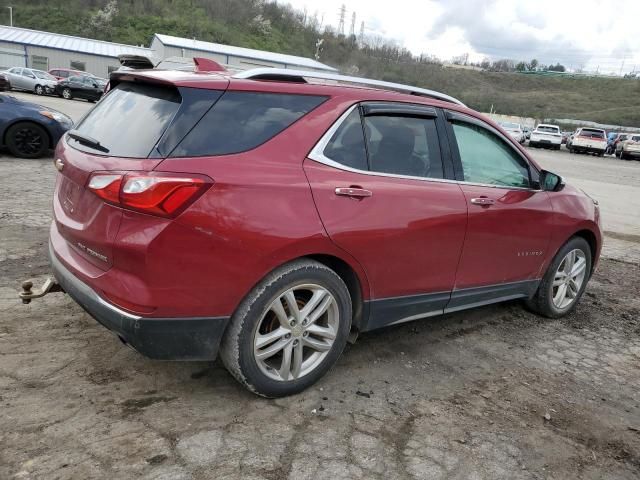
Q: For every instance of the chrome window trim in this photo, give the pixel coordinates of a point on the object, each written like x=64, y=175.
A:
x=317, y=155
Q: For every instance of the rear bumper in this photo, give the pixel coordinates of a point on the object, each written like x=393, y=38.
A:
x=582, y=148
x=157, y=338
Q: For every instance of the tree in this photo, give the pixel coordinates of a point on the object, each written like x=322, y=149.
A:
x=521, y=67
x=556, y=68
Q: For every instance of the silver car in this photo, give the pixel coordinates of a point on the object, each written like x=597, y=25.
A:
x=30, y=79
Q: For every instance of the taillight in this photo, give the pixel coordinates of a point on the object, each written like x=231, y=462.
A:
x=163, y=194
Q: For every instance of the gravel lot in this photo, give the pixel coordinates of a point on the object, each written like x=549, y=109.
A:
x=494, y=393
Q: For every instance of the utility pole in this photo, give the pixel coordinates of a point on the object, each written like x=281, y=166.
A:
x=10, y=16
x=342, y=13
x=622, y=66
x=352, y=30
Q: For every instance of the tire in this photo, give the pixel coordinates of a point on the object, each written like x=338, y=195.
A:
x=543, y=302
x=27, y=140
x=38, y=90
x=66, y=94
x=256, y=317
x=571, y=150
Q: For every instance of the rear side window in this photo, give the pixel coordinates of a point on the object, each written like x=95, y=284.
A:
x=130, y=120
x=241, y=121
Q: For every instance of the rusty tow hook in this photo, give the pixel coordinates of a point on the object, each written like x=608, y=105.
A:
x=27, y=294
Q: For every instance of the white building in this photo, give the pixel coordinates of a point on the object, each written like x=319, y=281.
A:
x=21, y=47
x=165, y=46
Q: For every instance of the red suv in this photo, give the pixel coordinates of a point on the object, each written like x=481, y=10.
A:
x=270, y=219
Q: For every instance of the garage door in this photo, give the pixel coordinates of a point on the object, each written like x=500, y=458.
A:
x=11, y=58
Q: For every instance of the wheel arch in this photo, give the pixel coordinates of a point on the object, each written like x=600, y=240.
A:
x=594, y=246
x=351, y=279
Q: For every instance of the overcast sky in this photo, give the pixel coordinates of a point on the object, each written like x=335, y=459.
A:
x=577, y=33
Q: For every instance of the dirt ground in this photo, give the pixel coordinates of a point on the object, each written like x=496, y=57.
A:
x=495, y=393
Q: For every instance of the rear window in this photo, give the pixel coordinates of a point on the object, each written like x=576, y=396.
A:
x=241, y=121
x=587, y=132
x=130, y=120
x=544, y=129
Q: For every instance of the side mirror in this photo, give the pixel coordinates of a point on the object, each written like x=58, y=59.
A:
x=550, y=182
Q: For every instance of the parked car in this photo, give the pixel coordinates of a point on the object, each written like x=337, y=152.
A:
x=84, y=86
x=628, y=148
x=514, y=130
x=527, y=133
x=546, y=136
x=565, y=136
x=588, y=140
x=5, y=84
x=29, y=130
x=249, y=215
x=614, y=140
x=64, y=73
x=31, y=80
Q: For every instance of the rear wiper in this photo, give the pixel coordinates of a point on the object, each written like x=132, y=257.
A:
x=86, y=140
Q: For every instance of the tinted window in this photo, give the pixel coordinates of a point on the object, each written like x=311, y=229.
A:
x=587, y=132
x=487, y=159
x=240, y=121
x=347, y=144
x=130, y=119
x=545, y=129
x=403, y=146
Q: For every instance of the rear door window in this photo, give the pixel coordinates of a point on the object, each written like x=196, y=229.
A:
x=346, y=146
x=403, y=145
x=130, y=120
x=241, y=121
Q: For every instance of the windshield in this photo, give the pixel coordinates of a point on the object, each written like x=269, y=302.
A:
x=636, y=138
x=43, y=75
x=130, y=120
x=547, y=129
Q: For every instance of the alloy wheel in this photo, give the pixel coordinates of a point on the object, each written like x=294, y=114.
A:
x=28, y=141
x=569, y=278
x=39, y=90
x=296, y=332
x=66, y=93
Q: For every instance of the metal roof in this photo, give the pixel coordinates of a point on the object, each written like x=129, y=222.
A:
x=242, y=52
x=24, y=36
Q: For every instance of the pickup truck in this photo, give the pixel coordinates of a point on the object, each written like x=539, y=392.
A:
x=547, y=136
x=588, y=140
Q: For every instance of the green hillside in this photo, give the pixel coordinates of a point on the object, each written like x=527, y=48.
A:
x=277, y=27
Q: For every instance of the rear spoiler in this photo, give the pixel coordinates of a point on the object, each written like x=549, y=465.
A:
x=195, y=64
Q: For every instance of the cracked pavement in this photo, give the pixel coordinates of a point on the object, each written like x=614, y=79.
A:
x=495, y=393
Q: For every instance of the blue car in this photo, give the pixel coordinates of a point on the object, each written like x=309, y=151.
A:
x=29, y=130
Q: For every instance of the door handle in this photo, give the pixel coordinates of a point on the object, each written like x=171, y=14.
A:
x=483, y=201
x=353, y=192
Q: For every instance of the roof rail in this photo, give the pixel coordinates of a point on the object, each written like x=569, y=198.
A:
x=285, y=74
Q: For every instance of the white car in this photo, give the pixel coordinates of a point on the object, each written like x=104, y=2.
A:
x=547, y=136
x=514, y=130
x=30, y=79
x=588, y=140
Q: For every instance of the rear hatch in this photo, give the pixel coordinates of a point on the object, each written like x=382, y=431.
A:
x=132, y=129
x=591, y=138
